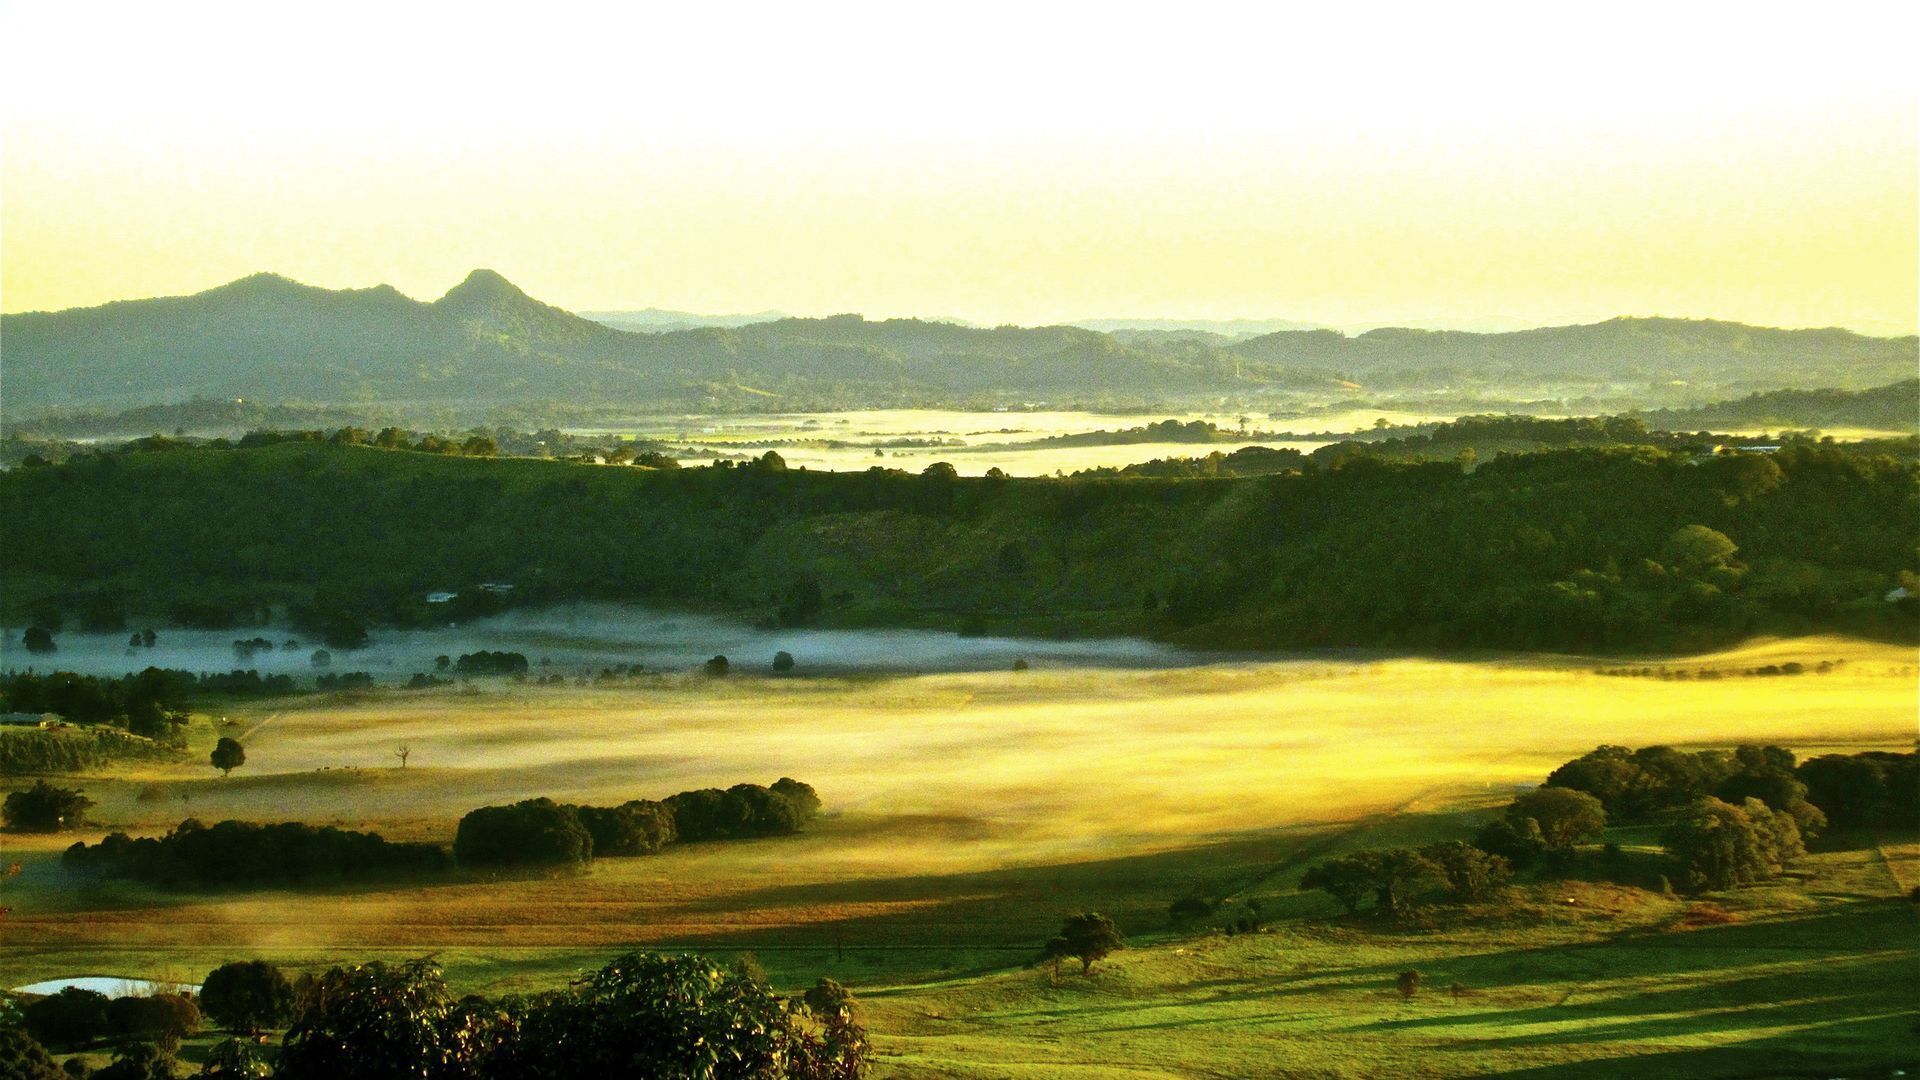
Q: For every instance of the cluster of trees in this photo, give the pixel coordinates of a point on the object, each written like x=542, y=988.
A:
x=75, y=1017
x=642, y=1014
x=1246, y=461
x=534, y=832
x=1875, y=789
x=541, y=832
x=1730, y=818
x=245, y=854
x=1638, y=785
x=45, y=808
x=150, y=703
x=1397, y=880
x=1588, y=548
x=1719, y=845
x=491, y=663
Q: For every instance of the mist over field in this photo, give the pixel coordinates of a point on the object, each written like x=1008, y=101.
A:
x=584, y=638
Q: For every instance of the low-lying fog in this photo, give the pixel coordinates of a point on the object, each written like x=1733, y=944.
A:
x=572, y=639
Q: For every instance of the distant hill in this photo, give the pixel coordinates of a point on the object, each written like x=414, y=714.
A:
x=266, y=337
x=1731, y=356
x=661, y=320
x=1894, y=407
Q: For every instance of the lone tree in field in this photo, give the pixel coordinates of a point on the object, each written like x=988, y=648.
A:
x=228, y=755
x=403, y=753
x=45, y=808
x=247, y=995
x=1087, y=937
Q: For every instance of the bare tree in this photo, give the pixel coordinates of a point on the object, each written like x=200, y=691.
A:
x=403, y=753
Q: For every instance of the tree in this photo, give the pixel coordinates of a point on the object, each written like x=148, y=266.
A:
x=716, y=667
x=1470, y=872
x=247, y=995
x=1394, y=877
x=38, y=639
x=1565, y=816
x=163, y=1019
x=45, y=808
x=647, y=1015
x=72, y=1017
x=1518, y=842
x=534, y=832
x=228, y=755
x=639, y=827
x=1348, y=879
x=783, y=661
x=403, y=752
x=800, y=794
x=1720, y=846
x=375, y=1022
x=1090, y=937
x=1696, y=549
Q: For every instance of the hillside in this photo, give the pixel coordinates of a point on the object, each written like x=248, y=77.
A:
x=1613, y=548
x=1732, y=356
x=1894, y=407
x=486, y=341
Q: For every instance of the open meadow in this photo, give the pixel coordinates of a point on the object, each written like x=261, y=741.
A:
x=965, y=814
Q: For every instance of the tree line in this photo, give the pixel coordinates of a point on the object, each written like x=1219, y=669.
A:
x=530, y=833
x=641, y=1014
x=1592, y=548
x=541, y=832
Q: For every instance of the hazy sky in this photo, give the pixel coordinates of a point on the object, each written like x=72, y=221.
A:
x=998, y=162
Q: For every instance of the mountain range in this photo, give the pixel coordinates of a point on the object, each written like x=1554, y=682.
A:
x=268, y=337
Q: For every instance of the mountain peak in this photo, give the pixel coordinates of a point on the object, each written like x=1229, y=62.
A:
x=484, y=287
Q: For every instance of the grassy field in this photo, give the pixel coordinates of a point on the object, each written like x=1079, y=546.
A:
x=966, y=814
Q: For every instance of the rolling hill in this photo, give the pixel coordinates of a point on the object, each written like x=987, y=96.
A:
x=485, y=341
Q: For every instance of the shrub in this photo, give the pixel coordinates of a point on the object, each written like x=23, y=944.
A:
x=23, y=1058
x=1188, y=910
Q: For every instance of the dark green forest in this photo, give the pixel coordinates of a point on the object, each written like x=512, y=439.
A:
x=1615, y=548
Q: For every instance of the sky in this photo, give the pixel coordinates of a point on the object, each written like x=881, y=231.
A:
x=997, y=162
